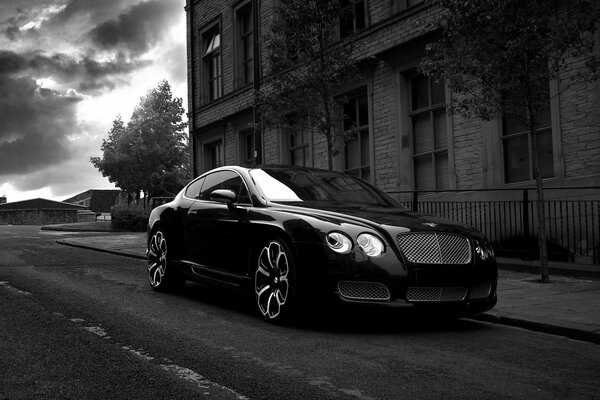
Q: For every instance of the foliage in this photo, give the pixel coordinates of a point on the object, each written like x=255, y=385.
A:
x=305, y=78
x=150, y=154
x=129, y=218
x=488, y=45
x=489, y=48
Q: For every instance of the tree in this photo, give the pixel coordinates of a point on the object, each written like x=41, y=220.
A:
x=308, y=66
x=150, y=154
x=498, y=57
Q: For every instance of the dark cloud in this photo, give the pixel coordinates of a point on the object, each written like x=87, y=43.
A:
x=65, y=179
x=34, y=126
x=15, y=14
x=84, y=75
x=138, y=29
x=94, y=10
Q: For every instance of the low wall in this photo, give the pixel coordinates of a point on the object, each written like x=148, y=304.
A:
x=86, y=216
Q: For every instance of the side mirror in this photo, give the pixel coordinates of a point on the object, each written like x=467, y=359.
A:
x=223, y=196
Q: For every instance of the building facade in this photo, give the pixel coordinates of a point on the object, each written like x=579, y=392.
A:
x=96, y=200
x=406, y=141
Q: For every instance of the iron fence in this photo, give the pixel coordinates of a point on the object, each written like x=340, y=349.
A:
x=572, y=226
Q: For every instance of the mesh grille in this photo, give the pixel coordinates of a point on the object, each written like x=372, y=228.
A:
x=363, y=290
x=435, y=248
x=435, y=294
x=480, y=291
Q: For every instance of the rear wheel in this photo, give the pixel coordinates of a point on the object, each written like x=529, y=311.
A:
x=274, y=282
x=161, y=275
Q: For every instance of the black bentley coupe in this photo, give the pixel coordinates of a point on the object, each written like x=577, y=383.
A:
x=291, y=235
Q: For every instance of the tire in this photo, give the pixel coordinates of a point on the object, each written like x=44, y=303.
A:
x=161, y=276
x=275, y=284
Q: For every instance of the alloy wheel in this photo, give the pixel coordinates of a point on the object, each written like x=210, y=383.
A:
x=157, y=259
x=271, y=282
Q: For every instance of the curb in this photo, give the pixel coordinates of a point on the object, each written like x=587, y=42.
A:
x=115, y=252
x=571, y=333
x=562, y=269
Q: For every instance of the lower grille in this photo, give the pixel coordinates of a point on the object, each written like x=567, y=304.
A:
x=363, y=290
x=480, y=291
x=435, y=294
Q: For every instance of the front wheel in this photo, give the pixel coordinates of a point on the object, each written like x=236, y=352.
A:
x=274, y=282
x=161, y=275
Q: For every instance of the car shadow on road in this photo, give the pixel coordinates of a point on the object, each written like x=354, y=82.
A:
x=332, y=317
x=407, y=320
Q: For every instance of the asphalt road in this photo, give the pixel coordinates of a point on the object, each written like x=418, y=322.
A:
x=85, y=325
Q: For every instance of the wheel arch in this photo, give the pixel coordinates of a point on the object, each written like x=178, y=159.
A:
x=168, y=229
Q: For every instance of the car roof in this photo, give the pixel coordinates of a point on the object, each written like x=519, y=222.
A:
x=270, y=167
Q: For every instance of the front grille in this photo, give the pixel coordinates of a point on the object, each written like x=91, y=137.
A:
x=480, y=291
x=435, y=294
x=435, y=248
x=363, y=290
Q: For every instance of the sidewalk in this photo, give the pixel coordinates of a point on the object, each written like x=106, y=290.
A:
x=567, y=306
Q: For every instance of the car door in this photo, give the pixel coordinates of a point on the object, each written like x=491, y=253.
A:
x=216, y=232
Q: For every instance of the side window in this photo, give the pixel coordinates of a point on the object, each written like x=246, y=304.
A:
x=244, y=196
x=244, y=45
x=401, y=5
x=225, y=180
x=429, y=133
x=518, y=158
x=354, y=21
x=211, y=58
x=193, y=190
x=357, y=160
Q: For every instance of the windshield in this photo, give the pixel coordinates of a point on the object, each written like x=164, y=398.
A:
x=279, y=185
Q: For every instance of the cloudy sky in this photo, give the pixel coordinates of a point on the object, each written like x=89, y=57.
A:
x=68, y=68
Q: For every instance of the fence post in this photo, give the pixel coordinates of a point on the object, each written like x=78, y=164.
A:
x=525, y=213
x=415, y=203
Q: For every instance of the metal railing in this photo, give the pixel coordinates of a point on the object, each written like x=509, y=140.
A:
x=572, y=226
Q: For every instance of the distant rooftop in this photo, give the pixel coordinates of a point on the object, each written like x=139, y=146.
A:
x=40, y=204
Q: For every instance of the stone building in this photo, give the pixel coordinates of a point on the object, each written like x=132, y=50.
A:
x=96, y=200
x=39, y=212
x=406, y=141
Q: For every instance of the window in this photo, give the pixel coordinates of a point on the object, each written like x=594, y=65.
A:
x=299, y=148
x=193, y=190
x=297, y=139
x=213, y=155
x=401, y=5
x=518, y=160
x=356, y=19
x=245, y=45
x=250, y=146
x=356, y=129
x=211, y=58
x=429, y=133
x=228, y=180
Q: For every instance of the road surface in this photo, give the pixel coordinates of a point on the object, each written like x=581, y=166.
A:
x=81, y=324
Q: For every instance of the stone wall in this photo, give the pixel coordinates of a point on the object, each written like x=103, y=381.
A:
x=388, y=49
x=37, y=217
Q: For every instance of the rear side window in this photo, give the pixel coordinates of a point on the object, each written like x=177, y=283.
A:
x=193, y=189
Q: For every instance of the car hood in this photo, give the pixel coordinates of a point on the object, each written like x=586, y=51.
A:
x=378, y=218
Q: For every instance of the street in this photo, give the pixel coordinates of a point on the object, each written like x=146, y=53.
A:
x=81, y=324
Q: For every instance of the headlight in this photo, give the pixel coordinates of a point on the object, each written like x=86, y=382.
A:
x=339, y=242
x=370, y=245
x=484, y=249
